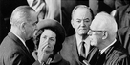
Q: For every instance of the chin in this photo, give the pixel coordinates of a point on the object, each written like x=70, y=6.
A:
x=93, y=43
x=82, y=33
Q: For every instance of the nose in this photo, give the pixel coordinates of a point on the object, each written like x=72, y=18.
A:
x=82, y=23
x=48, y=41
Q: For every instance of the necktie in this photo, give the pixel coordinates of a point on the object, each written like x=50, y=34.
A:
x=98, y=54
x=82, y=50
x=82, y=55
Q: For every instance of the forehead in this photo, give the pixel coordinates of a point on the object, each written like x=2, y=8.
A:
x=96, y=25
x=48, y=33
x=82, y=13
x=33, y=16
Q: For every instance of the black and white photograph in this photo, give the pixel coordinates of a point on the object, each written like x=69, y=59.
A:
x=64, y=32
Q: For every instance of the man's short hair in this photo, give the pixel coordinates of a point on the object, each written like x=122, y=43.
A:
x=105, y=22
x=20, y=14
x=82, y=6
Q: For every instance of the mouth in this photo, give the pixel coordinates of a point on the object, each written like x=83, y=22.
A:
x=49, y=50
x=82, y=29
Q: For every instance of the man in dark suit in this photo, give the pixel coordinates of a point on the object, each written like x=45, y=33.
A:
x=13, y=50
x=71, y=51
x=103, y=33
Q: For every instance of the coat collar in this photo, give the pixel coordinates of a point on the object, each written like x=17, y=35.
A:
x=20, y=44
x=57, y=58
x=114, y=46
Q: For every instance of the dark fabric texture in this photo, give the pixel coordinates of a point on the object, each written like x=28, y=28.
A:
x=13, y=52
x=114, y=55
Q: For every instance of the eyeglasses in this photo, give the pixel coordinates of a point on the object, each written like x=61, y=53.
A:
x=92, y=32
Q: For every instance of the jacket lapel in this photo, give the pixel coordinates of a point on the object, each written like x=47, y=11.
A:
x=20, y=44
x=74, y=50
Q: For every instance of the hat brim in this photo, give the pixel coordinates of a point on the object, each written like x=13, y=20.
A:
x=54, y=26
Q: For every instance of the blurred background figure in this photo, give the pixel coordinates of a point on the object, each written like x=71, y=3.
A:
x=123, y=20
x=47, y=9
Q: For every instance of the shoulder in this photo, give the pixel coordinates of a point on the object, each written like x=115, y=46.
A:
x=58, y=60
x=68, y=43
x=117, y=57
x=69, y=39
x=118, y=54
x=9, y=47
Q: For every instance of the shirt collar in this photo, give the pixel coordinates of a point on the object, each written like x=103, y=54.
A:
x=103, y=50
x=79, y=40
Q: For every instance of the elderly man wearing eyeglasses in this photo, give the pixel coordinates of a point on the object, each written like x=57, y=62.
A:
x=103, y=35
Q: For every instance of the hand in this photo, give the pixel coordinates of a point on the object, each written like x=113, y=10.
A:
x=43, y=53
x=34, y=54
x=86, y=62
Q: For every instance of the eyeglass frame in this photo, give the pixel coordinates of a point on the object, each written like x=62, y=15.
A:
x=91, y=31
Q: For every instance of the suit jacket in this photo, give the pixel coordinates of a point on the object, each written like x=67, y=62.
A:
x=13, y=52
x=69, y=51
x=114, y=55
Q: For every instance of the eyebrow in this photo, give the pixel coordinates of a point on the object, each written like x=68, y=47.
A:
x=87, y=18
x=47, y=36
x=52, y=37
x=78, y=19
x=83, y=19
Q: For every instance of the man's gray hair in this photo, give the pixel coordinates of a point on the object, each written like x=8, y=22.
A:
x=19, y=15
x=82, y=6
x=105, y=22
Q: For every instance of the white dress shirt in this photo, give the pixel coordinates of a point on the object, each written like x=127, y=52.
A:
x=87, y=44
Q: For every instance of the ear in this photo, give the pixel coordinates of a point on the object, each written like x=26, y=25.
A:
x=22, y=27
x=72, y=23
x=105, y=34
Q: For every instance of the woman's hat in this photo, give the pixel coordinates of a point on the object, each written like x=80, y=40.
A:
x=55, y=26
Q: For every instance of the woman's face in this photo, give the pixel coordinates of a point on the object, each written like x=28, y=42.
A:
x=47, y=40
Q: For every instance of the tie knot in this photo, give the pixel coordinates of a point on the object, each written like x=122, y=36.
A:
x=82, y=42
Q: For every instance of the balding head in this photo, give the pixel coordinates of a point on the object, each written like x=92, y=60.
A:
x=104, y=22
x=23, y=22
x=21, y=14
x=103, y=30
x=82, y=7
x=81, y=19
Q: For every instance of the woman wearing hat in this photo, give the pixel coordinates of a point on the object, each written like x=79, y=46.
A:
x=48, y=40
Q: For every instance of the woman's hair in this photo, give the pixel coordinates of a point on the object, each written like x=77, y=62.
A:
x=58, y=44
